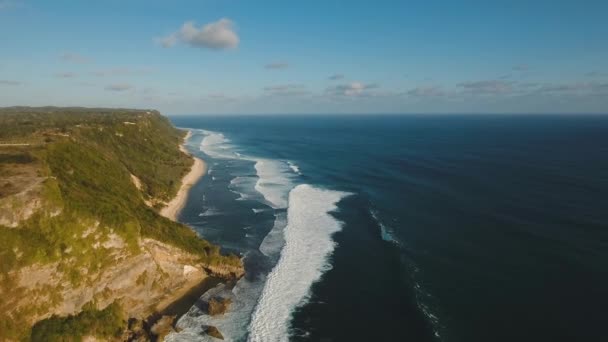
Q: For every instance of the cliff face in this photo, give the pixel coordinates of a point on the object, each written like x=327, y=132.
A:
x=142, y=282
x=78, y=233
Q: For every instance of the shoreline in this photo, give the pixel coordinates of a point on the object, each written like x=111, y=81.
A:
x=188, y=297
x=197, y=171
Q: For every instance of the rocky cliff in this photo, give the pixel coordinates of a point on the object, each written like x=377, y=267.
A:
x=80, y=243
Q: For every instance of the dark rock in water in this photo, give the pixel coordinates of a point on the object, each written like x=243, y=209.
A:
x=213, y=332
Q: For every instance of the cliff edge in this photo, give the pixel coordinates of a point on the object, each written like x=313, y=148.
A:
x=82, y=240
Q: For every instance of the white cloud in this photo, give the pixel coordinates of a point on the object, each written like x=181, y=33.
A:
x=521, y=67
x=119, y=87
x=10, y=82
x=426, y=92
x=353, y=89
x=121, y=72
x=276, y=65
x=487, y=87
x=66, y=75
x=217, y=35
x=588, y=87
x=220, y=97
x=75, y=58
x=596, y=74
x=287, y=90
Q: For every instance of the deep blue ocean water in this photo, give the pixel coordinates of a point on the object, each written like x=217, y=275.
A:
x=408, y=228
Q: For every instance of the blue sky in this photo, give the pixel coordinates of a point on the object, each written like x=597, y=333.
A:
x=228, y=56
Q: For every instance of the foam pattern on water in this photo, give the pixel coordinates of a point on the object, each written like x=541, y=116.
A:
x=308, y=244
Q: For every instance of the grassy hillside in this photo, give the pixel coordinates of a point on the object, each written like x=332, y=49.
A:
x=64, y=172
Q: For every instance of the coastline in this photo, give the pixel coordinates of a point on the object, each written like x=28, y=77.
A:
x=197, y=171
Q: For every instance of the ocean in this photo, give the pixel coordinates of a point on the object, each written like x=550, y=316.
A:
x=405, y=227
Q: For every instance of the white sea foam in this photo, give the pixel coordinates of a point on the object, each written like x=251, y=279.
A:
x=308, y=243
x=216, y=145
x=294, y=167
x=385, y=232
x=273, y=182
x=210, y=212
x=274, y=241
x=244, y=187
x=274, y=178
x=232, y=324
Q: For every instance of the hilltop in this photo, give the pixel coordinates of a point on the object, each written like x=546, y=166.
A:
x=81, y=234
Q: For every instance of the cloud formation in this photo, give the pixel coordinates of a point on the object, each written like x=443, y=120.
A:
x=216, y=35
x=336, y=77
x=276, y=65
x=353, y=89
x=66, y=75
x=287, y=90
x=582, y=87
x=119, y=87
x=426, y=92
x=221, y=97
x=509, y=88
x=521, y=67
x=75, y=58
x=487, y=87
x=10, y=82
x=121, y=72
x=596, y=74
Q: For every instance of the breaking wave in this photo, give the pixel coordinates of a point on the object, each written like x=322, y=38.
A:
x=298, y=246
x=273, y=182
x=308, y=243
x=294, y=167
x=216, y=145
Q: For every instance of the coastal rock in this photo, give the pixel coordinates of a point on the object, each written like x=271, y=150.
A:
x=163, y=327
x=144, y=282
x=226, y=271
x=137, y=331
x=76, y=234
x=218, y=306
x=213, y=332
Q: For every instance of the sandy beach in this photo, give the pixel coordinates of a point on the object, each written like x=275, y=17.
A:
x=199, y=168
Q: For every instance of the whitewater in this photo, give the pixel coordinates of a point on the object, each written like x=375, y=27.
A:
x=308, y=243
x=298, y=245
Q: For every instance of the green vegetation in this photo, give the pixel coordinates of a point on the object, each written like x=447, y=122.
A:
x=76, y=164
x=108, y=323
x=88, y=161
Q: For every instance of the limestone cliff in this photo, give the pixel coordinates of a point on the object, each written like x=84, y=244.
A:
x=80, y=242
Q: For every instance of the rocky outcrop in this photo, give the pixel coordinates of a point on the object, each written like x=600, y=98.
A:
x=136, y=331
x=213, y=332
x=19, y=207
x=162, y=327
x=225, y=271
x=218, y=306
x=142, y=283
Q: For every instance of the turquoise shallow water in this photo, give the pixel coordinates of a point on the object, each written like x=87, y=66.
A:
x=451, y=228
